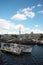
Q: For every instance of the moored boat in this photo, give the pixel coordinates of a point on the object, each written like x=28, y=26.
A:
x=11, y=49
x=17, y=48
x=26, y=49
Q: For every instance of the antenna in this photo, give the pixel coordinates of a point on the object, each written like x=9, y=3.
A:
x=19, y=30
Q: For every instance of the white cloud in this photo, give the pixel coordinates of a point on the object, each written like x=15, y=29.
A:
x=39, y=5
x=36, y=25
x=41, y=12
x=26, y=9
x=29, y=14
x=32, y=7
x=37, y=31
x=7, y=27
x=28, y=30
x=4, y=24
x=23, y=14
x=19, y=16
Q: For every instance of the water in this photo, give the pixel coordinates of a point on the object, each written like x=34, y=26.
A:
x=35, y=58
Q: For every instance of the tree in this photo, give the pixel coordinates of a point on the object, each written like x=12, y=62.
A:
x=41, y=36
x=14, y=35
x=0, y=36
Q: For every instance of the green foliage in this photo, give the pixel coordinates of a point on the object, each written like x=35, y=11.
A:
x=0, y=35
x=14, y=35
x=41, y=36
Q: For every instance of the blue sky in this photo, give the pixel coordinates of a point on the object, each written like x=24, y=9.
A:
x=24, y=14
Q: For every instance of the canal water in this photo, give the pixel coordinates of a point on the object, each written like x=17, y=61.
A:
x=35, y=58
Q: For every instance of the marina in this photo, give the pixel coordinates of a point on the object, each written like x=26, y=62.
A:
x=21, y=32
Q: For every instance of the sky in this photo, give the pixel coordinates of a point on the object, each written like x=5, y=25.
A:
x=21, y=15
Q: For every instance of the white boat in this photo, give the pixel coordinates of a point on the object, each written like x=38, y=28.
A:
x=27, y=49
x=17, y=48
x=24, y=48
x=11, y=49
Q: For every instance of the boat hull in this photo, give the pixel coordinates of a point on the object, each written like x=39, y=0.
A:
x=11, y=52
x=29, y=50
